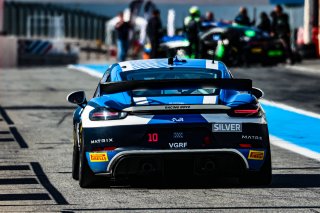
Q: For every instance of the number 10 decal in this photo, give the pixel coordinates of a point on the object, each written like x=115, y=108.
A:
x=153, y=137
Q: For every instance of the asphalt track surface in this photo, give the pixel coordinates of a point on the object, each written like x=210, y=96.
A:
x=36, y=146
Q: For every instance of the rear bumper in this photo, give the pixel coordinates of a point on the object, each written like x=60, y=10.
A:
x=217, y=162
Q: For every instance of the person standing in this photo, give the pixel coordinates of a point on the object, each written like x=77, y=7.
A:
x=242, y=18
x=154, y=32
x=192, y=26
x=122, y=30
x=208, y=21
x=265, y=24
x=281, y=30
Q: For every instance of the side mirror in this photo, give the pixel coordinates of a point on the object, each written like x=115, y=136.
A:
x=78, y=97
x=258, y=93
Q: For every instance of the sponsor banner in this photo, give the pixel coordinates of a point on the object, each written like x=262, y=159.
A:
x=226, y=127
x=98, y=157
x=256, y=155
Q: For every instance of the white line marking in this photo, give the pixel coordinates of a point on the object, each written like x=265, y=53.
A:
x=89, y=71
x=294, y=148
x=290, y=108
x=304, y=70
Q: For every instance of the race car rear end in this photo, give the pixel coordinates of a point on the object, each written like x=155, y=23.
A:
x=209, y=125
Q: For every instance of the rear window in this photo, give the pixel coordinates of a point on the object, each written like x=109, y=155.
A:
x=162, y=74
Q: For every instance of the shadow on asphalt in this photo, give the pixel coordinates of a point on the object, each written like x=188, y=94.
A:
x=278, y=181
x=295, y=181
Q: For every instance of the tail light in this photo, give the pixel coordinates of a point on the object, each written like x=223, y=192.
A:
x=245, y=111
x=207, y=141
x=103, y=114
x=245, y=145
x=104, y=149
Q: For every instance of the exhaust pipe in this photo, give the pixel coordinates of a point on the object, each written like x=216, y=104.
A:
x=147, y=167
x=208, y=166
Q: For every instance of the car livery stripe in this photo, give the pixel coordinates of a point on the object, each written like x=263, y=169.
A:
x=210, y=99
x=212, y=64
x=125, y=66
x=185, y=100
x=140, y=100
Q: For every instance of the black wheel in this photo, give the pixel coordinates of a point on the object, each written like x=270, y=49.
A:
x=75, y=163
x=86, y=176
x=75, y=157
x=260, y=178
x=87, y=179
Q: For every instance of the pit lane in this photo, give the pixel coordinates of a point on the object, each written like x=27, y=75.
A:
x=36, y=135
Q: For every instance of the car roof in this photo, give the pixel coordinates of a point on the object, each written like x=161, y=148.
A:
x=163, y=63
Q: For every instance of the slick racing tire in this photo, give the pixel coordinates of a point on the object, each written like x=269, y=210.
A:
x=75, y=157
x=87, y=179
x=86, y=176
x=260, y=178
x=75, y=163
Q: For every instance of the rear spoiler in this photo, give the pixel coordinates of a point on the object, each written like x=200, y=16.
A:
x=124, y=86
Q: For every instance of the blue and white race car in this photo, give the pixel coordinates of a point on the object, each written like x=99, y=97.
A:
x=170, y=116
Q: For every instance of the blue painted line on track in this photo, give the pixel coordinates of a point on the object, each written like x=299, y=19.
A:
x=298, y=129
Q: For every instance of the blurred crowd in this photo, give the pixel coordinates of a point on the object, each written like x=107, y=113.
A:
x=276, y=25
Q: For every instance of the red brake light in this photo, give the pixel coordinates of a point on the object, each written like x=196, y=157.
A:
x=102, y=114
x=246, y=111
x=110, y=148
x=207, y=140
x=245, y=145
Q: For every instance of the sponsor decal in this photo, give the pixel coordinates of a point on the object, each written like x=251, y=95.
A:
x=102, y=140
x=175, y=107
x=251, y=137
x=256, y=155
x=177, y=119
x=178, y=135
x=153, y=137
x=226, y=127
x=98, y=157
x=178, y=145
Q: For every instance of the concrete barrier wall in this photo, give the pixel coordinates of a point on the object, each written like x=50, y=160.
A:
x=8, y=51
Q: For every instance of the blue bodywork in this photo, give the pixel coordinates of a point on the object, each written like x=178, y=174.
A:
x=122, y=100
x=119, y=101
